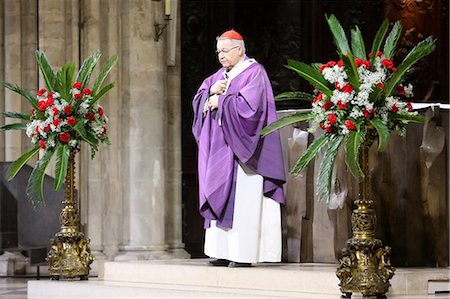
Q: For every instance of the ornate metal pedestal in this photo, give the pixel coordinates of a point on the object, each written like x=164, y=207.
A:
x=365, y=266
x=69, y=255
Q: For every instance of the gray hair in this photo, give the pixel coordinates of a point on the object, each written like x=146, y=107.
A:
x=235, y=42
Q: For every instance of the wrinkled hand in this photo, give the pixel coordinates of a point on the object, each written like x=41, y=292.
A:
x=213, y=102
x=218, y=87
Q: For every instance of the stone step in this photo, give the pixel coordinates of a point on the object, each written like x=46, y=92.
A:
x=193, y=279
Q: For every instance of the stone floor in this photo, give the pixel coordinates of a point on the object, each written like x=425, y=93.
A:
x=16, y=288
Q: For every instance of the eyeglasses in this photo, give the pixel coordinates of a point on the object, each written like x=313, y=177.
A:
x=225, y=51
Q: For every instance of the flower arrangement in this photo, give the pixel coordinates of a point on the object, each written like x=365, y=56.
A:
x=64, y=114
x=355, y=98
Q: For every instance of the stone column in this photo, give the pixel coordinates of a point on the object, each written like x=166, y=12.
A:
x=143, y=73
x=173, y=156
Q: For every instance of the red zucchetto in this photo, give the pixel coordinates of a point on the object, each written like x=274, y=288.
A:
x=231, y=34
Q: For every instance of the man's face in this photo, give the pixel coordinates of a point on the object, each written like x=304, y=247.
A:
x=229, y=54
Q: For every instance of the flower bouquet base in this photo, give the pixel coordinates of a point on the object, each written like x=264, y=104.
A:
x=365, y=266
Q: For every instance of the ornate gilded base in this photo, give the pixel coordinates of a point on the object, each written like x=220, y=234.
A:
x=365, y=268
x=69, y=256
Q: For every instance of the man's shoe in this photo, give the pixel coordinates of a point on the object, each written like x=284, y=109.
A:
x=239, y=265
x=219, y=263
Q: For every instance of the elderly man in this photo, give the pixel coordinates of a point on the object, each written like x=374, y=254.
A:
x=240, y=174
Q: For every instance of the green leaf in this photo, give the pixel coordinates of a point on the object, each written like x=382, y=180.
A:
x=358, y=48
x=421, y=50
x=106, y=68
x=310, y=74
x=340, y=39
x=66, y=76
x=352, y=71
x=28, y=96
x=391, y=40
x=351, y=153
x=378, y=40
x=286, y=121
x=383, y=133
x=20, y=162
x=47, y=71
x=14, y=126
x=294, y=95
x=87, y=67
x=324, y=178
x=416, y=118
x=92, y=141
x=18, y=115
x=62, y=159
x=309, y=154
x=101, y=93
x=35, y=184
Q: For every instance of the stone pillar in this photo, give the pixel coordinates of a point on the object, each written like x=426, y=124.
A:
x=143, y=73
x=173, y=156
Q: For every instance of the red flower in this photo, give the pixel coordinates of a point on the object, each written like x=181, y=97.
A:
x=37, y=130
x=49, y=102
x=78, y=96
x=410, y=107
x=87, y=91
x=341, y=105
x=64, y=137
x=400, y=90
x=347, y=88
x=56, y=122
x=360, y=61
x=68, y=110
x=327, y=105
x=336, y=85
x=100, y=110
x=389, y=64
x=47, y=128
x=90, y=115
x=32, y=111
x=369, y=114
x=329, y=129
x=42, y=144
x=42, y=105
x=77, y=85
x=379, y=54
x=394, y=108
x=318, y=98
x=71, y=121
x=55, y=110
x=380, y=85
x=340, y=63
x=41, y=92
x=332, y=119
x=50, y=94
x=350, y=124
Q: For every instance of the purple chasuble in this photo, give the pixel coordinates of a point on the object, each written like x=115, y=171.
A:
x=246, y=107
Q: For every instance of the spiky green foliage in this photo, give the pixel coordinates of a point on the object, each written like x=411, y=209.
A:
x=330, y=142
x=60, y=81
x=294, y=95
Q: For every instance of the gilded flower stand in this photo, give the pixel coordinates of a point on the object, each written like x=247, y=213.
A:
x=69, y=255
x=365, y=266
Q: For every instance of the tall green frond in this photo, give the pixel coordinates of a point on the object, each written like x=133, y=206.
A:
x=309, y=154
x=35, y=191
x=286, y=121
x=18, y=115
x=294, y=95
x=20, y=162
x=421, y=50
x=14, y=126
x=32, y=99
x=358, y=48
x=100, y=94
x=87, y=67
x=351, y=153
x=351, y=70
x=383, y=133
x=391, y=40
x=339, y=37
x=409, y=117
x=324, y=178
x=47, y=71
x=106, y=68
x=311, y=75
x=378, y=40
x=66, y=76
x=62, y=160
